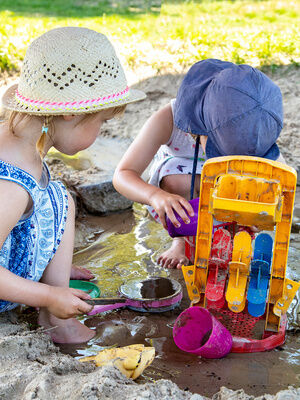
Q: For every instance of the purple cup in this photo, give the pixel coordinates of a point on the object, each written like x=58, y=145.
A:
x=185, y=229
x=197, y=331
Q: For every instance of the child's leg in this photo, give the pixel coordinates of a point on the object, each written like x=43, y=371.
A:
x=57, y=273
x=175, y=256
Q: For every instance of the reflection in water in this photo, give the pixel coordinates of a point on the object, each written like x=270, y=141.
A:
x=115, y=258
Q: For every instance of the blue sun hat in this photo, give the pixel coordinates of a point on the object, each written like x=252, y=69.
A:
x=237, y=106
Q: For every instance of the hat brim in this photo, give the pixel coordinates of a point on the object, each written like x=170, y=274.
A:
x=9, y=102
x=211, y=151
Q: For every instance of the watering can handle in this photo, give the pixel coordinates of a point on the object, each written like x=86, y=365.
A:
x=106, y=300
x=107, y=307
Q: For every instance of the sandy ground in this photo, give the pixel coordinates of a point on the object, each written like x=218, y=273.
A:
x=31, y=367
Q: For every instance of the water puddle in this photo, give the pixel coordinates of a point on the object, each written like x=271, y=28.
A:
x=123, y=250
x=125, y=246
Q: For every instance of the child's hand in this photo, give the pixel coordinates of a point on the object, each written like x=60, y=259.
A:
x=166, y=203
x=66, y=302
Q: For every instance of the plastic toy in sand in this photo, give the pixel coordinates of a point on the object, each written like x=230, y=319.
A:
x=89, y=287
x=242, y=191
x=260, y=275
x=130, y=360
x=154, y=295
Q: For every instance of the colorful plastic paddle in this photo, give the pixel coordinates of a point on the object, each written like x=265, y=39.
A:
x=239, y=271
x=221, y=253
x=260, y=275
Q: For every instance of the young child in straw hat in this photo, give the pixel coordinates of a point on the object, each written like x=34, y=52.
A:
x=71, y=82
x=232, y=109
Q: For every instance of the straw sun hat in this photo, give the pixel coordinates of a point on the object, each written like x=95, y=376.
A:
x=70, y=70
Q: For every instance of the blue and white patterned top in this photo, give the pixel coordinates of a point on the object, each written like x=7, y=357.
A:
x=32, y=243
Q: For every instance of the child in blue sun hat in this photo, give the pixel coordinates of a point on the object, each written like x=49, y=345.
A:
x=230, y=109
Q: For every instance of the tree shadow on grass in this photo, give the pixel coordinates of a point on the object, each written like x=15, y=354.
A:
x=81, y=8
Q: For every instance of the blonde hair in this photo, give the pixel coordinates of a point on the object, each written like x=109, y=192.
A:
x=117, y=111
x=22, y=116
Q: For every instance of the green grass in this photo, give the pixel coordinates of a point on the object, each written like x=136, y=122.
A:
x=170, y=37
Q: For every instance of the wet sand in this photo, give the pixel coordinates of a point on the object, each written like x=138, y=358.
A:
x=256, y=373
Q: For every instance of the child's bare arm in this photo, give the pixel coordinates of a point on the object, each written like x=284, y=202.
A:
x=62, y=302
x=127, y=178
x=155, y=132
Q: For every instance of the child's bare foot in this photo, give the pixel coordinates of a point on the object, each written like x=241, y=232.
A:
x=175, y=256
x=78, y=272
x=64, y=330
